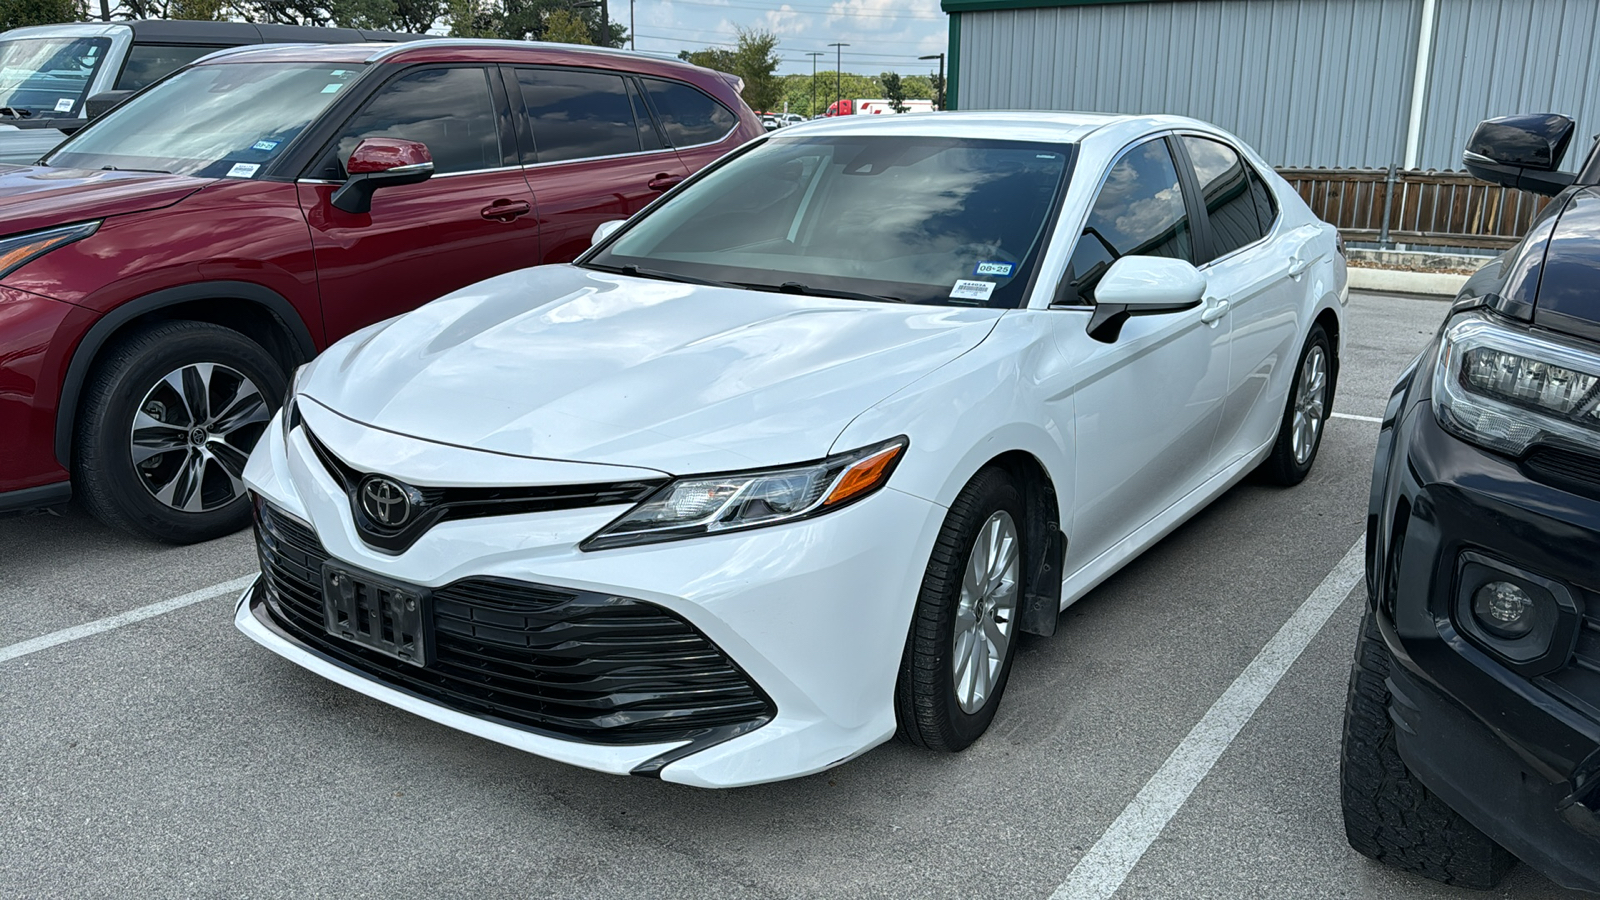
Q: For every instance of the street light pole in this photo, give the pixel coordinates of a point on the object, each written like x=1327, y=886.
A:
x=940, y=58
x=633, y=42
x=605, y=25
x=813, y=54
x=838, y=76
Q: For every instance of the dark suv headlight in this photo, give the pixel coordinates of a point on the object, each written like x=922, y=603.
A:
x=1507, y=389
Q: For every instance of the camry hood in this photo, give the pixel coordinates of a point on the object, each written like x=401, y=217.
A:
x=34, y=197
x=565, y=363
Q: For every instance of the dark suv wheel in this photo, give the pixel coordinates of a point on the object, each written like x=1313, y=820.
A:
x=168, y=418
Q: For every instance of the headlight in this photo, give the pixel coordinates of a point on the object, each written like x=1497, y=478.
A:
x=18, y=249
x=1507, y=389
x=712, y=504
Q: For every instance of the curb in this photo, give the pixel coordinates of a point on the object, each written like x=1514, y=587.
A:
x=1439, y=284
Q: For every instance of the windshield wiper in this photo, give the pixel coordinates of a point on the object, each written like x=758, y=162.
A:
x=122, y=169
x=12, y=112
x=637, y=272
x=795, y=287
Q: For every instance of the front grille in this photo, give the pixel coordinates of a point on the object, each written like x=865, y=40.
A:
x=1579, y=682
x=576, y=664
x=1564, y=468
x=442, y=504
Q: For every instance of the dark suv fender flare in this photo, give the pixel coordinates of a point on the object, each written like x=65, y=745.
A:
x=101, y=331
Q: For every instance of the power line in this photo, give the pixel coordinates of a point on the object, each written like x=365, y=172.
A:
x=829, y=11
x=875, y=40
x=859, y=56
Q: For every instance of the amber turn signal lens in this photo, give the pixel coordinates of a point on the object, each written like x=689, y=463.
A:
x=864, y=475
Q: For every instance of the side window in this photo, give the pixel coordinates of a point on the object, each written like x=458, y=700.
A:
x=689, y=116
x=578, y=115
x=1266, y=204
x=1139, y=212
x=450, y=110
x=648, y=139
x=149, y=62
x=1224, y=180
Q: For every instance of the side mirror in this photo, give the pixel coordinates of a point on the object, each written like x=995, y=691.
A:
x=1521, y=152
x=381, y=162
x=99, y=104
x=1143, y=286
x=606, y=229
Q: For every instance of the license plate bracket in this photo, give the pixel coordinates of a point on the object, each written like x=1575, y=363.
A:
x=387, y=616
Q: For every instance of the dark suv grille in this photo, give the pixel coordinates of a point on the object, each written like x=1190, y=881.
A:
x=1564, y=468
x=575, y=664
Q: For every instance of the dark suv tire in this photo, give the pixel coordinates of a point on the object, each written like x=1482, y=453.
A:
x=168, y=417
x=1389, y=815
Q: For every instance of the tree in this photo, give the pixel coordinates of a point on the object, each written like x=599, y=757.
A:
x=893, y=91
x=937, y=81
x=753, y=59
x=563, y=26
x=17, y=13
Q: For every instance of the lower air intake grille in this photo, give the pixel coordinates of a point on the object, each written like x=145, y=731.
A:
x=1565, y=468
x=575, y=664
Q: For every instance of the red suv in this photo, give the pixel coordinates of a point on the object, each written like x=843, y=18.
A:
x=169, y=265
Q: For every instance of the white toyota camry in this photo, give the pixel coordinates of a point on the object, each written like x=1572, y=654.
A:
x=781, y=467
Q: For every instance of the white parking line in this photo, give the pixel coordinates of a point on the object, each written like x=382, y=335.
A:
x=44, y=642
x=1107, y=864
x=1355, y=418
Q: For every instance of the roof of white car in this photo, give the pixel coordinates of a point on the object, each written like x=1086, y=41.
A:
x=1020, y=125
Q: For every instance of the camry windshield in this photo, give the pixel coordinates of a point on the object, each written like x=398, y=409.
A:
x=225, y=120
x=894, y=218
x=47, y=76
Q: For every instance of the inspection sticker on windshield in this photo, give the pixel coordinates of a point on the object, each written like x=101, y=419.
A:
x=966, y=289
x=64, y=104
x=243, y=170
x=332, y=88
x=264, y=145
x=1003, y=269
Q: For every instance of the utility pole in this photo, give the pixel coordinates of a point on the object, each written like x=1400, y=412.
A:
x=940, y=58
x=813, y=54
x=838, y=74
x=633, y=42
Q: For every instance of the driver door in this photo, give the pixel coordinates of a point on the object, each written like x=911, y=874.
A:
x=475, y=218
x=1148, y=402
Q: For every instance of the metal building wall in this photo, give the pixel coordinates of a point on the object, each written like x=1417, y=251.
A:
x=1498, y=57
x=1305, y=82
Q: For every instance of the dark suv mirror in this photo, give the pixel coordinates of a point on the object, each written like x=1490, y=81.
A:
x=381, y=162
x=1521, y=151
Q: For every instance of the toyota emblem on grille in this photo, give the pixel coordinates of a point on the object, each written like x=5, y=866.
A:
x=386, y=502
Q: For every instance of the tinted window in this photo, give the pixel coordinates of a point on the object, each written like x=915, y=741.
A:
x=1225, y=184
x=1139, y=212
x=149, y=62
x=648, y=138
x=578, y=115
x=1266, y=204
x=450, y=110
x=689, y=116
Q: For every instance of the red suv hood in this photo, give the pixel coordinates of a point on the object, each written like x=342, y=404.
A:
x=35, y=197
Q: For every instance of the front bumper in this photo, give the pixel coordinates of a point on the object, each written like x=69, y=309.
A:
x=815, y=613
x=1516, y=754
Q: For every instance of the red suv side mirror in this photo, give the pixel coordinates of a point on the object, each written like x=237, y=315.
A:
x=381, y=162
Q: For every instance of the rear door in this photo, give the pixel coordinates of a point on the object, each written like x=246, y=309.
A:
x=592, y=150
x=472, y=220
x=697, y=126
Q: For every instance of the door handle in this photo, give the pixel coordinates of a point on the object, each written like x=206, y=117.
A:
x=663, y=182
x=1214, y=310
x=505, y=210
x=1298, y=265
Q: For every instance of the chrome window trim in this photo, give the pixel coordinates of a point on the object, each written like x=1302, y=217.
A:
x=563, y=162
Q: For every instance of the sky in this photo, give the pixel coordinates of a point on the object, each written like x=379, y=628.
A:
x=885, y=35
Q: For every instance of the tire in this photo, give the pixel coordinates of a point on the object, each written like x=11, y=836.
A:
x=1287, y=465
x=956, y=628
x=1388, y=815
x=179, y=375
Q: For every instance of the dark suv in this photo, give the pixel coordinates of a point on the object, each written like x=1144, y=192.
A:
x=164, y=270
x=1472, y=732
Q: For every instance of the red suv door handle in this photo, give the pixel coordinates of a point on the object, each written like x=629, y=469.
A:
x=664, y=182
x=505, y=210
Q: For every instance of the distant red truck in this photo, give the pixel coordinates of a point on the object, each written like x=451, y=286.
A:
x=164, y=271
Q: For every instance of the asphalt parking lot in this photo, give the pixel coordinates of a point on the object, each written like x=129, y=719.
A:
x=170, y=757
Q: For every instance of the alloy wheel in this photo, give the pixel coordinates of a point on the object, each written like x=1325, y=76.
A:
x=986, y=613
x=1309, y=404
x=192, y=434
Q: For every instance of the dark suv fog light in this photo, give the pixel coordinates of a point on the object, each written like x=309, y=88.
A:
x=1504, y=609
x=1528, y=621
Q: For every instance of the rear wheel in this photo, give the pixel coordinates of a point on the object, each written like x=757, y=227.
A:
x=167, y=421
x=1310, y=401
x=1389, y=815
x=963, y=633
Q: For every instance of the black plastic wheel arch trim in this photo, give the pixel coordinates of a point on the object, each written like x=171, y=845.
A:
x=88, y=349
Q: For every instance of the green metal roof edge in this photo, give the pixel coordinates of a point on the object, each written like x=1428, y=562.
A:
x=953, y=6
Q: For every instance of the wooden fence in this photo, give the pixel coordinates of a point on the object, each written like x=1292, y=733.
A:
x=1450, y=209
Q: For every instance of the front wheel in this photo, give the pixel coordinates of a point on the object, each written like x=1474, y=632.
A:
x=167, y=421
x=1305, y=414
x=963, y=631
